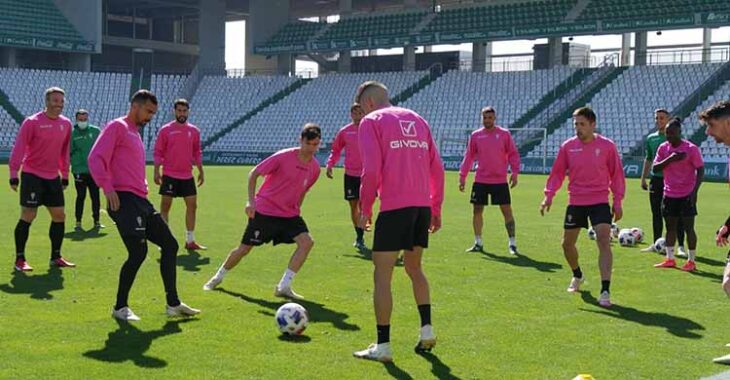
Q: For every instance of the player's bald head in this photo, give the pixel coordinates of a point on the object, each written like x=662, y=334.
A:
x=372, y=95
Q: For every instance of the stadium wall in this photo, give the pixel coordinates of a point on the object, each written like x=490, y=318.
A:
x=85, y=16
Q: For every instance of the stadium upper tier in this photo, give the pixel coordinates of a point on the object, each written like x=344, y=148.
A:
x=104, y=95
x=295, y=33
x=630, y=9
x=625, y=108
x=35, y=19
x=453, y=103
x=399, y=24
x=325, y=101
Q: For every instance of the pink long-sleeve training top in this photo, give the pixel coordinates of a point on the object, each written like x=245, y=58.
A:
x=347, y=139
x=592, y=168
x=177, y=149
x=401, y=163
x=493, y=149
x=680, y=177
x=42, y=147
x=286, y=181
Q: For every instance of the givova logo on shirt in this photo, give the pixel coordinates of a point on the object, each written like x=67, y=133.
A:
x=408, y=129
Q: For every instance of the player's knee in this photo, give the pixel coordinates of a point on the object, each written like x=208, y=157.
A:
x=306, y=242
x=567, y=245
x=478, y=209
x=412, y=268
x=171, y=246
x=604, y=239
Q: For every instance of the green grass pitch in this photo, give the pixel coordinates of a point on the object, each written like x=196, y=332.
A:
x=496, y=316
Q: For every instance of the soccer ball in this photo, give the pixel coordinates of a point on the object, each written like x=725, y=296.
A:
x=660, y=244
x=591, y=234
x=626, y=238
x=638, y=234
x=615, y=230
x=292, y=319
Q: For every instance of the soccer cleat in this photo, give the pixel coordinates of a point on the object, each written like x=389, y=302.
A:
x=78, y=227
x=125, y=314
x=722, y=360
x=427, y=340
x=475, y=248
x=181, y=310
x=287, y=293
x=681, y=252
x=378, y=352
x=98, y=226
x=195, y=246
x=62, y=263
x=668, y=263
x=513, y=250
x=575, y=283
x=212, y=283
x=360, y=245
x=22, y=266
x=689, y=266
x=604, y=299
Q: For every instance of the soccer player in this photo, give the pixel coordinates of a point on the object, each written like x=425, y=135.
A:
x=346, y=138
x=42, y=150
x=593, y=166
x=83, y=137
x=717, y=120
x=176, y=149
x=274, y=212
x=656, y=183
x=117, y=163
x=402, y=166
x=681, y=163
x=493, y=149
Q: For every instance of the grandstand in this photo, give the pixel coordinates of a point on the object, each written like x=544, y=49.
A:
x=167, y=88
x=36, y=19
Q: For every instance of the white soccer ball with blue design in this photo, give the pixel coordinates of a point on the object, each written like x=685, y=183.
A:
x=591, y=234
x=615, y=230
x=638, y=234
x=659, y=245
x=292, y=318
x=626, y=238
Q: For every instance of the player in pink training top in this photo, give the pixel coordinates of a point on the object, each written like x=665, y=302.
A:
x=346, y=139
x=401, y=166
x=593, y=166
x=493, y=148
x=274, y=212
x=117, y=163
x=681, y=163
x=177, y=148
x=42, y=149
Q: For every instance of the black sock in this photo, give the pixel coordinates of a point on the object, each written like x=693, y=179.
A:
x=605, y=285
x=359, y=232
x=55, y=232
x=22, y=229
x=577, y=273
x=425, y=312
x=383, y=333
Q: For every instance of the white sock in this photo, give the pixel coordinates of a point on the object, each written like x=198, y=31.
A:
x=670, y=253
x=692, y=254
x=477, y=239
x=221, y=272
x=286, y=279
x=189, y=237
x=427, y=330
x=512, y=241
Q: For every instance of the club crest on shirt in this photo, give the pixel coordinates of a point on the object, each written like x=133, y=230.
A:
x=598, y=152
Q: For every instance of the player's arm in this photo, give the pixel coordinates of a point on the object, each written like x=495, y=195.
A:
x=253, y=177
x=198, y=158
x=555, y=180
x=618, y=183
x=662, y=160
x=100, y=159
x=513, y=156
x=334, y=157
x=466, y=163
x=25, y=134
x=372, y=161
x=723, y=234
x=648, y=160
x=64, y=162
x=158, y=155
x=437, y=185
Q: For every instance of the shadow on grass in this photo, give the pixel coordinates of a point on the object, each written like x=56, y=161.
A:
x=711, y=262
x=438, y=368
x=715, y=277
x=317, y=311
x=294, y=338
x=82, y=235
x=520, y=260
x=367, y=255
x=192, y=261
x=128, y=343
x=39, y=287
x=677, y=326
x=397, y=372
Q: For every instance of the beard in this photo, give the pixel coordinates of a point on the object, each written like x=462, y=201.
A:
x=181, y=119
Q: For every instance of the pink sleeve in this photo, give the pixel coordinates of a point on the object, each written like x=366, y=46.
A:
x=101, y=155
x=513, y=156
x=337, y=146
x=437, y=178
x=314, y=178
x=661, y=154
x=269, y=165
x=468, y=161
x=697, y=161
x=557, y=175
x=372, y=163
x=160, y=144
x=197, y=149
x=618, y=180
x=21, y=144
x=65, y=159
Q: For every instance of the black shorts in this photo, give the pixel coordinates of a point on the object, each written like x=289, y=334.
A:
x=352, y=187
x=577, y=216
x=678, y=207
x=174, y=187
x=499, y=193
x=136, y=216
x=403, y=228
x=36, y=191
x=264, y=228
